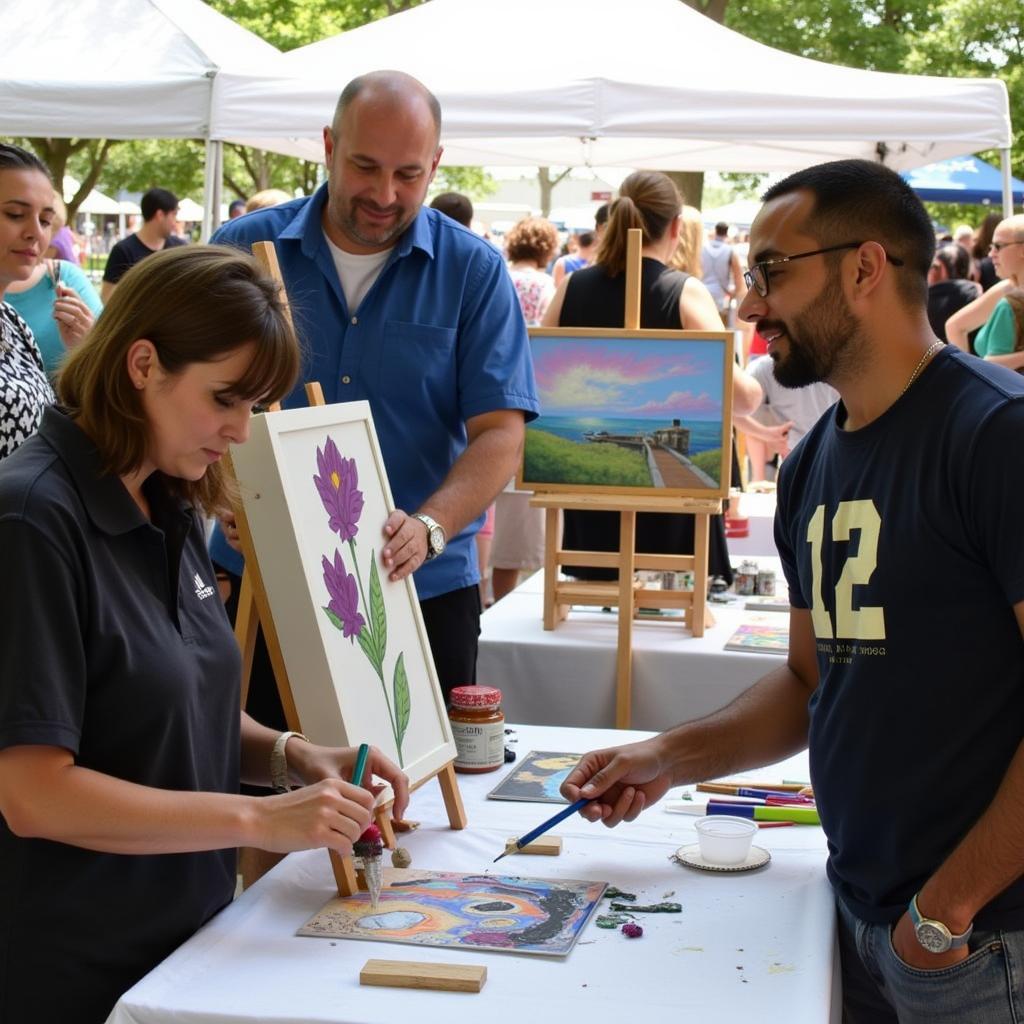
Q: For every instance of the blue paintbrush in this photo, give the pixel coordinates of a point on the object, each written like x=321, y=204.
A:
x=541, y=829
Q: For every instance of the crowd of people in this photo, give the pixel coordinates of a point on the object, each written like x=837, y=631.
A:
x=123, y=745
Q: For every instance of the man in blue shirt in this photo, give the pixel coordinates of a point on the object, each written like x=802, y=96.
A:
x=399, y=305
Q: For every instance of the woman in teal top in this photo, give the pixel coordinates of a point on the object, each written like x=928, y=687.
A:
x=58, y=321
x=999, y=334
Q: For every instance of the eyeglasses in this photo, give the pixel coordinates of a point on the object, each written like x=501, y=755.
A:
x=1000, y=246
x=757, y=276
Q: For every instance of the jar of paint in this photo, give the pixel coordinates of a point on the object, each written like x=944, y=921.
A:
x=745, y=578
x=766, y=583
x=478, y=727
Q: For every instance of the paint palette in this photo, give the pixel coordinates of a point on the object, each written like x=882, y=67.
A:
x=537, y=778
x=503, y=913
x=691, y=857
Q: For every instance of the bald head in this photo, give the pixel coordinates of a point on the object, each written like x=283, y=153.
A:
x=392, y=88
x=1014, y=224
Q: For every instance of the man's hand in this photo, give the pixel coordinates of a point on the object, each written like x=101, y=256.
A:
x=405, y=548
x=621, y=781
x=913, y=954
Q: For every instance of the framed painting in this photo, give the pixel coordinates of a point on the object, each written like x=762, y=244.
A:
x=316, y=496
x=502, y=913
x=630, y=412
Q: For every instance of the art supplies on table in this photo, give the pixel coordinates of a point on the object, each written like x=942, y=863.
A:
x=760, y=637
x=537, y=778
x=691, y=857
x=513, y=846
x=500, y=912
x=778, y=603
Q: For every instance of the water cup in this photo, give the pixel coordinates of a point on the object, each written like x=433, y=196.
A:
x=725, y=839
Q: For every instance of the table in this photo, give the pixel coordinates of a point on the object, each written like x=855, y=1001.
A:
x=566, y=676
x=747, y=947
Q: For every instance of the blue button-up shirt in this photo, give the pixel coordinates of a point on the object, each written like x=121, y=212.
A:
x=438, y=338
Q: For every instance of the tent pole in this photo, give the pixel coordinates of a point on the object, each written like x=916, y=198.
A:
x=1004, y=164
x=212, y=176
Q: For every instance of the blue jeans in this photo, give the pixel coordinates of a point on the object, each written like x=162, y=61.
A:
x=879, y=988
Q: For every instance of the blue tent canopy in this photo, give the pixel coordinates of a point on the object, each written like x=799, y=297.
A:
x=963, y=179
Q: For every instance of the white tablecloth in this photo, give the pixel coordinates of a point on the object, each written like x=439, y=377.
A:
x=755, y=947
x=566, y=676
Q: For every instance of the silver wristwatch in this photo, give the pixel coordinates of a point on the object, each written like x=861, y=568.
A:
x=435, y=535
x=934, y=936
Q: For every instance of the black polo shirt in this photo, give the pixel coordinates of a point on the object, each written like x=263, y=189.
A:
x=114, y=644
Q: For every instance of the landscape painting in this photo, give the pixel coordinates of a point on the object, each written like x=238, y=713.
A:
x=537, y=778
x=502, y=913
x=637, y=412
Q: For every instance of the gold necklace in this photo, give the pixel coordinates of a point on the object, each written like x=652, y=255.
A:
x=928, y=353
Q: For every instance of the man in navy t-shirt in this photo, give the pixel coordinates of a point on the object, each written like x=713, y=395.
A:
x=898, y=529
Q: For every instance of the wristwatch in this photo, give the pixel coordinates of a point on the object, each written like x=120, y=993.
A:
x=435, y=535
x=934, y=936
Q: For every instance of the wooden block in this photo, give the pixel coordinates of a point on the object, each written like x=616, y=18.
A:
x=545, y=846
x=412, y=974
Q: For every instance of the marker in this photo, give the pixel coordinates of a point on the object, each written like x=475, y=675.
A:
x=799, y=815
x=774, y=824
x=541, y=829
x=772, y=794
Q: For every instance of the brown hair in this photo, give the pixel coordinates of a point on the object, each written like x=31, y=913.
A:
x=648, y=200
x=533, y=238
x=196, y=304
x=687, y=256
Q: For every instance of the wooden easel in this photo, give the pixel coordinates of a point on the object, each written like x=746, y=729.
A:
x=254, y=610
x=628, y=595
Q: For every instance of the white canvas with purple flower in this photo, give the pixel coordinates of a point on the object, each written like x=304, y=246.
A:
x=316, y=496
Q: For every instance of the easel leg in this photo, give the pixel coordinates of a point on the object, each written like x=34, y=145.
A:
x=344, y=874
x=382, y=816
x=700, y=574
x=452, y=796
x=246, y=626
x=624, y=658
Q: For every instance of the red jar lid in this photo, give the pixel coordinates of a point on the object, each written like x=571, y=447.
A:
x=476, y=696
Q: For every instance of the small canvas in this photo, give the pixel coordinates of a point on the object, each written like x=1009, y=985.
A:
x=316, y=497
x=537, y=778
x=630, y=412
x=764, y=634
x=502, y=913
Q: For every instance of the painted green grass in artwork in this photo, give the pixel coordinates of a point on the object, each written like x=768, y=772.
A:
x=555, y=460
x=709, y=461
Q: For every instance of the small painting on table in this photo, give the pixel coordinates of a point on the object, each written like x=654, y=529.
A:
x=630, y=412
x=537, y=778
x=501, y=913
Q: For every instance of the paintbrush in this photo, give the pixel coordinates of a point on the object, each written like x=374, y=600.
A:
x=369, y=846
x=541, y=829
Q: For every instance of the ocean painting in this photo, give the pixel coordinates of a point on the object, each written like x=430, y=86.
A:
x=645, y=413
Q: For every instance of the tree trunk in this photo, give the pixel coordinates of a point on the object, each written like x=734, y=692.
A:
x=55, y=153
x=547, y=186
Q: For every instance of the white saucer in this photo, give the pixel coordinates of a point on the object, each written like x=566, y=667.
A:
x=690, y=856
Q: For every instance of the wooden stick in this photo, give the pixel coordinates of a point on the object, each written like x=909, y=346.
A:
x=418, y=974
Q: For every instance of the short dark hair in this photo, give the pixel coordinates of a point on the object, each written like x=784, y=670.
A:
x=858, y=200
x=395, y=82
x=955, y=258
x=454, y=205
x=157, y=200
x=721, y=229
x=601, y=214
x=14, y=158
x=585, y=238
x=236, y=204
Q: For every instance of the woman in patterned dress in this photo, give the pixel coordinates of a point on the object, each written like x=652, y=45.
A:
x=26, y=218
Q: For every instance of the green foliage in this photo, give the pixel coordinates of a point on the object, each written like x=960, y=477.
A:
x=557, y=460
x=474, y=182
x=709, y=462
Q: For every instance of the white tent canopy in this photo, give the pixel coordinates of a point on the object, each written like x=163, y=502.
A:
x=654, y=84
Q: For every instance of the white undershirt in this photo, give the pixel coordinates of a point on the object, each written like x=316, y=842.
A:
x=356, y=272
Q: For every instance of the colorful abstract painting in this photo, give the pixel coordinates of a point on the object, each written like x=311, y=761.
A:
x=639, y=412
x=537, y=778
x=503, y=913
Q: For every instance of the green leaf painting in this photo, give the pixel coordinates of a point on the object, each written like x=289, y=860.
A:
x=378, y=613
x=402, y=703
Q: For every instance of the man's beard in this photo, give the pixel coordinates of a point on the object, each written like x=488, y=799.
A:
x=823, y=338
x=380, y=236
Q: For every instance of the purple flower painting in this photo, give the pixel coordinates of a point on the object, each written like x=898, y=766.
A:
x=341, y=585
x=337, y=486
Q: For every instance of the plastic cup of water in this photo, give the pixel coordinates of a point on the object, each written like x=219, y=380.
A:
x=725, y=839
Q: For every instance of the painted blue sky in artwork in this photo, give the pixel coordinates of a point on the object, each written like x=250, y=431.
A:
x=629, y=378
